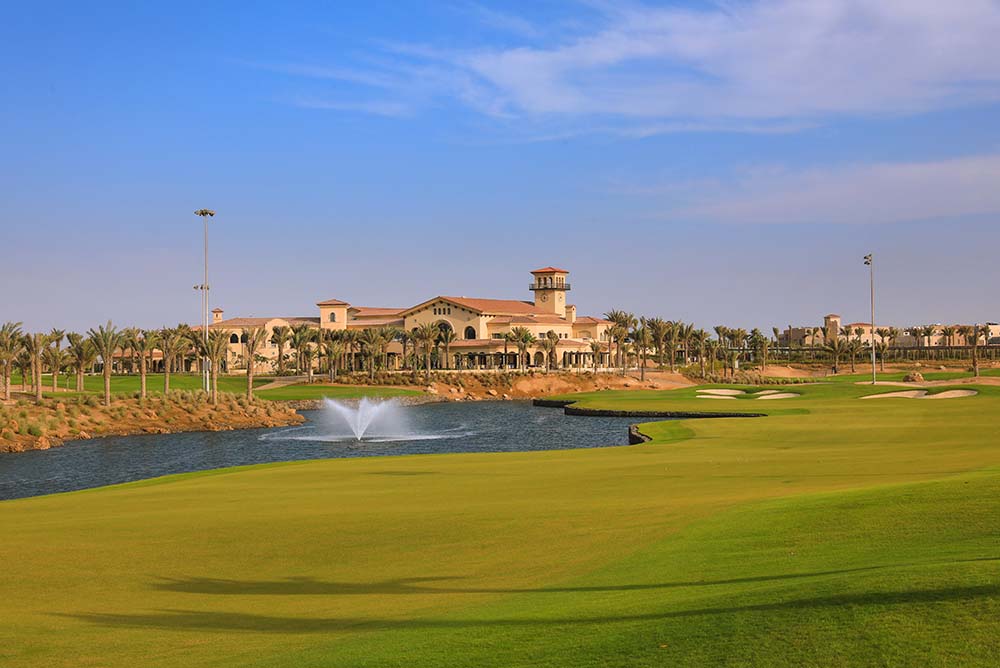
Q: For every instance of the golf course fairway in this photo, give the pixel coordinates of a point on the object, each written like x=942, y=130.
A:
x=832, y=532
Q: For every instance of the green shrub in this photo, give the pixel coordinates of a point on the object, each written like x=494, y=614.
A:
x=34, y=430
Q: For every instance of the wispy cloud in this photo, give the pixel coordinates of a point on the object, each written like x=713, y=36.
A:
x=729, y=64
x=853, y=194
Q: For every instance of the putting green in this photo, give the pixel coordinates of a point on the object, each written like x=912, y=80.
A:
x=834, y=532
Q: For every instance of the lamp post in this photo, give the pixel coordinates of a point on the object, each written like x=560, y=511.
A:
x=205, y=215
x=869, y=261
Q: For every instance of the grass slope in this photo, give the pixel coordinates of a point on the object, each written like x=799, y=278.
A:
x=300, y=392
x=835, y=532
x=233, y=384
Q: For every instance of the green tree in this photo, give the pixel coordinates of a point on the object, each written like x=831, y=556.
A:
x=427, y=334
x=142, y=343
x=281, y=336
x=371, y=347
x=82, y=355
x=254, y=338
x=56, y=337
x=35, y=344
x=214, y=350
x=106, y=339
x=173, y=343
x=11, y=345
x=523, y=339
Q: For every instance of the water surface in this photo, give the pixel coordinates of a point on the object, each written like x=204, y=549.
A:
x=502, y=426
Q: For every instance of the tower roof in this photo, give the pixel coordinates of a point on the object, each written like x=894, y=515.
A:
x=550, y=270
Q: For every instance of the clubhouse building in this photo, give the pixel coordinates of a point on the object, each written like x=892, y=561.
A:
x=480, y=326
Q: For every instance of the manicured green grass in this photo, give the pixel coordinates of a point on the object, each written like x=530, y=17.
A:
x=300, y=392
x=834, y=532
x=130, y=383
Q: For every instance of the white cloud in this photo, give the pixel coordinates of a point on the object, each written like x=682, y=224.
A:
x=872, y=193
x=734, y=64
x=764, y=59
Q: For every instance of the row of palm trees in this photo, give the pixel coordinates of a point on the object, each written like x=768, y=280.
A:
x=32, y=353
x=672, y=341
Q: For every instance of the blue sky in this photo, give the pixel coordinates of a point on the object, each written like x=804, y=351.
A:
x=716, y=162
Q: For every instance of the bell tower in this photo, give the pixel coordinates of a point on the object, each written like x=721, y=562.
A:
x=550, y=288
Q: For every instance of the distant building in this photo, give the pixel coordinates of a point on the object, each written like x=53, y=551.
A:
x=480, y=325
x=909, y=337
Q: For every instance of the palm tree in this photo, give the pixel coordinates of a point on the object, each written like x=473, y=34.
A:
x=700, y=340
x=427, y=334
x=658, y=334
x=215, y=350
x=35, y=344
x=836, y=347
x=106, y=339
x=948, y=333
x=596, y=348
x=280, y=337
x=371, y=346
x=82, y=354
x=129, y=335
x=55, y=359
x=10, y=346
x=55, y=339
x=684, y=336
x=302, y=336
x=405, y=339
x=927, y=331
x=623, y=322
x=254, y=338
x=548, y=346
x=712, y=352
x=642, y=339
x=350, y=338
x=388, y=334
x=522, y=339
x=333, y=347
x=853, y=347
x=141, y=343
x=173, y=343
x=446, y=338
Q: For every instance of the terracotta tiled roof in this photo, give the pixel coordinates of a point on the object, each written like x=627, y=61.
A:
x=373, y=311
x=550, y=270
x=332, y=302
x=487, y=306
x=589, y=319
x=232, y=323
x=831, y=315
x=375, y=322
x=858, y=324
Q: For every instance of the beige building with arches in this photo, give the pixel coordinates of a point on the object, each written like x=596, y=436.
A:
x=480, y=326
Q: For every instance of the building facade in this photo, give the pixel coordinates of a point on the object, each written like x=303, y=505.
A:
x=480, y=326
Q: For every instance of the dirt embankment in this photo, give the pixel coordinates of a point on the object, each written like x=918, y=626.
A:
x=531, y=386
x=29, y=426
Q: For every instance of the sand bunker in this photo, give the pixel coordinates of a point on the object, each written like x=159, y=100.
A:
x=922, y=394
x=951, y=394
x=713, y=396
x=722, y=393
x=779, y=395
x=767, y=392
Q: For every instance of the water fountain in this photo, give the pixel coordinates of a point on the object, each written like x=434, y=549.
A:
x=375, y=419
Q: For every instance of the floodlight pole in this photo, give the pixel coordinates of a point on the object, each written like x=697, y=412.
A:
x=205, y=215
x=869, y=260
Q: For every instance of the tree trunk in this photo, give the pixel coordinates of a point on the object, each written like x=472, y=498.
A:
x=213, y=371
x=6, y=384
x=166, y=376
x=142, y=376
x=107, y=384
x=250, y=381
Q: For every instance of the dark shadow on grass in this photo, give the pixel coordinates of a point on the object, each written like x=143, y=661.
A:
x=306, y=586
x=190, y=620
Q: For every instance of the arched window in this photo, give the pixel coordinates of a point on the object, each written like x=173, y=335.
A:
x=470, y=333
x=243, y=338
x=333, y=316
x=234, y=339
